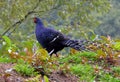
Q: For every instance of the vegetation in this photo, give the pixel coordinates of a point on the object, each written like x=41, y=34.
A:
x=25, y=69
x=101, y=65
x=76, y=18
x=110, y=21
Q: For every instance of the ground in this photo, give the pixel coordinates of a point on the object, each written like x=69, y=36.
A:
x=7, y=74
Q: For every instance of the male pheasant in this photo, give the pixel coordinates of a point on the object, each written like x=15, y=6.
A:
x=54, y=41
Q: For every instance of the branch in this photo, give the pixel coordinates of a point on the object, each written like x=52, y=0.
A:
x=21, y=20
x=31, y=12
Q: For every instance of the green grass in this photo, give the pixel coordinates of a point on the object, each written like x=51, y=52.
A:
x=85, y=72
x=116, y=69
x=74, y=64
x=25, y=69
x=106, y=77
x=77, y=58
x=6, y=60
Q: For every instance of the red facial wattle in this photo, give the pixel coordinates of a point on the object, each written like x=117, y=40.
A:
x=35, y=20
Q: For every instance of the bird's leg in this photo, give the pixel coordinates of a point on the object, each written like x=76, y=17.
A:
x=51, y=52
x=56, y=55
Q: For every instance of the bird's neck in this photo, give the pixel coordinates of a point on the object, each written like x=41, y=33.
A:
x=39, y=27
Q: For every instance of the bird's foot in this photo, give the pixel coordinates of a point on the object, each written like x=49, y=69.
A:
x=57, y=55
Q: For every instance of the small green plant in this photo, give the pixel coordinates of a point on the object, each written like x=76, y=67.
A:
x=71, y=59
x=117, y=46
x=85, y=72
x=106, y=77
x=90, y=55
x=116, y=70
x=25, y=69
x=77, y=58
x=6, y=60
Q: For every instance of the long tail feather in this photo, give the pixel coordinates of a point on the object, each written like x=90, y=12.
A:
x=76, y=44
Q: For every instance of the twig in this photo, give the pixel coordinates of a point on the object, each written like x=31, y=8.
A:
x=21, y=20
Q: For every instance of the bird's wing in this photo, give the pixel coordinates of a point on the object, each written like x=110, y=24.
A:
x=55, y=36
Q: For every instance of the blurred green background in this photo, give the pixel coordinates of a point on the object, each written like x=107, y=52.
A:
x=75, y=18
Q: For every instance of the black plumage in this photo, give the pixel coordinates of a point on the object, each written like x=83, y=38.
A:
x=54, y=41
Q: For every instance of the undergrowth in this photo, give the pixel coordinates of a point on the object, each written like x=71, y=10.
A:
x=25, y=69
x=91, y=71
x=6, y=60
x=101, y=64
x=85, y=72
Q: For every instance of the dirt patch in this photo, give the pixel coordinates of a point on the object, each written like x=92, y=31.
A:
x=7, y=74
x=59, y=76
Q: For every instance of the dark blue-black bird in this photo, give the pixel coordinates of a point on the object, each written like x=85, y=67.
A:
x=54, y=41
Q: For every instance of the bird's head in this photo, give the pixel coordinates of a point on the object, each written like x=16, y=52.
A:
x=38, y=21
